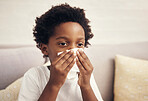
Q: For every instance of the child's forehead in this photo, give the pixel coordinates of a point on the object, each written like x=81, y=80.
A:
x=69, y=28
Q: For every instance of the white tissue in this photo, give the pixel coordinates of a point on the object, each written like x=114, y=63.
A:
x=74, y=70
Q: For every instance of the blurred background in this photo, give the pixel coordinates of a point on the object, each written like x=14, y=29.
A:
x=112, y=21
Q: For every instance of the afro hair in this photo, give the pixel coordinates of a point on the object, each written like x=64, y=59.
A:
x=46, y=23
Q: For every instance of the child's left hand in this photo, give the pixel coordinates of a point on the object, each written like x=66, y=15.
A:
x=85, y=68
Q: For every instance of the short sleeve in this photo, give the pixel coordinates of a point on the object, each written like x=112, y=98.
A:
x=95, y=88
x=29, y=90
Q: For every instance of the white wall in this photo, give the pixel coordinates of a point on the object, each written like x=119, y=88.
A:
x=112, y=21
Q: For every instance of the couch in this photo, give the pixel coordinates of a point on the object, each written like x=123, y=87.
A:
x=15, y=60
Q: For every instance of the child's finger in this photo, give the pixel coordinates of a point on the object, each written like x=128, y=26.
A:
x=59, y=57
x=81, y=68
x=68, y=68
x=67, y=62
x=64, y=57
x=83, y=61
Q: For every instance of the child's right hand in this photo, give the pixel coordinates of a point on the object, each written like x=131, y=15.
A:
x=60, y=68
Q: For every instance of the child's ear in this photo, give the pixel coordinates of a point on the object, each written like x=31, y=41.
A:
x=44, y=49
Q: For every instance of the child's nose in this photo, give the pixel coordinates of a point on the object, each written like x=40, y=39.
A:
x=72, y=46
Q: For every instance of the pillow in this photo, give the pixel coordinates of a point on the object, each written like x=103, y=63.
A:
x=11, y=92
x=131, y=79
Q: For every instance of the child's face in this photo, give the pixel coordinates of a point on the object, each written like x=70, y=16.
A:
x=67, y=36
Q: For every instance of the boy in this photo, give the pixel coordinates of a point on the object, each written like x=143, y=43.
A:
x=60, y=29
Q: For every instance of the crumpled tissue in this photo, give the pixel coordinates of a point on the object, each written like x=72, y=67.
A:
x=74, y=70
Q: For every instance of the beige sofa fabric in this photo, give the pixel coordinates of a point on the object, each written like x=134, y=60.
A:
x=15, y=61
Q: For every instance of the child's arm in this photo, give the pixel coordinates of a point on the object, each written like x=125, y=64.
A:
x=88, y=94
x=58, y=73
x=50, y=93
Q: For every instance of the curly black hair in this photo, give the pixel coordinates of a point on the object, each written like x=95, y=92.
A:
x=46, y=23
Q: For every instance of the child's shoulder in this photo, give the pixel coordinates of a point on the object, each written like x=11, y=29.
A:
x=35, y=71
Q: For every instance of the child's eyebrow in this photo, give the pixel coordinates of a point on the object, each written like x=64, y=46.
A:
x=61, y=38
x=81, y=39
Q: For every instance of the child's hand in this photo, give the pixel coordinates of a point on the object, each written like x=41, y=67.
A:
x=60, y=68
x=85, y=68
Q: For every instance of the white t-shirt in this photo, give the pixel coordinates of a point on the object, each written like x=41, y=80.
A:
x=35, y=80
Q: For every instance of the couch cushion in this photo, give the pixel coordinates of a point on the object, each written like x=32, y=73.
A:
x=11, y=92
x=14, y=62
x=131, y=79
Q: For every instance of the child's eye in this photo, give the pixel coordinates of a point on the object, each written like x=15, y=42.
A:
x=62, y=44
x=80, y=44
